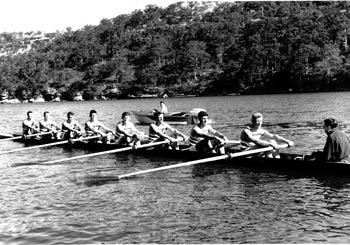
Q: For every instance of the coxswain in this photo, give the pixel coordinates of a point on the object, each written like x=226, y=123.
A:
x=204, y=138
x=337, y=147
x=29, y=125
x=255, y=136
x=48, y=125
x=158, y=131
x=71, y=127
x=96, y=127
x=126, y=132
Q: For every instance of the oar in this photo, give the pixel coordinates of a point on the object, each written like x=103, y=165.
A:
x=233, y=142
x=47, y=145
x=205, y=160
x=107, y=152
x=20, y=136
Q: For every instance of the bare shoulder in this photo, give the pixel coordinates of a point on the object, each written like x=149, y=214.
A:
x=247, y=131
x=263, y=131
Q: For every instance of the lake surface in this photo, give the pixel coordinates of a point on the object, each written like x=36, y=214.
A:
x=207, y=203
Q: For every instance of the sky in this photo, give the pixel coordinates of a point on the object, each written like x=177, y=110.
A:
x=57, y=15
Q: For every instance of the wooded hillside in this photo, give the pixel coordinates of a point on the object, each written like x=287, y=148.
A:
x=194, y=48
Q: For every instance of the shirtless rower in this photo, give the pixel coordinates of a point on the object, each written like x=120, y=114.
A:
x=126, y=132
x=29, y=125
x=205, y=138
x=96, y=127
x=157, y=131
x=256, y=137
x=71, y=127
x=48, y=125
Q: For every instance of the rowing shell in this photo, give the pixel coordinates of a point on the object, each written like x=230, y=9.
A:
x=290, y=163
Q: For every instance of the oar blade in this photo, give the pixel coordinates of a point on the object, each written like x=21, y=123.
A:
x=96, y=180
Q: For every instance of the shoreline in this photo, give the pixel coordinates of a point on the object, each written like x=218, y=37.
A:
x=16, y=101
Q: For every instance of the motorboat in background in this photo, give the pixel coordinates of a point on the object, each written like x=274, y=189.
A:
x=183, y=118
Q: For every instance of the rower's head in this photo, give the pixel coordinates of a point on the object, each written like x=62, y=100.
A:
x=30, y=115
x=203, y=117
x=159, y=116
x=46, y=115
x=257, y=119
x=70, y=116
x=329, y=124
x=126, y=116
x=93, y=115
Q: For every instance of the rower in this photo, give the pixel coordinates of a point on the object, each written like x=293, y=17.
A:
x=126, y=132
x=95, y=127
x=251, y=137
x=157, y=131
x=204, y=138
x=71, y=127
x=337, y=147
x=29, y=125
x=48, y=125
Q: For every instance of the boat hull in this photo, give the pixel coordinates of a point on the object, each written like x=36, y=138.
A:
x=289, y=163
x=181, y=118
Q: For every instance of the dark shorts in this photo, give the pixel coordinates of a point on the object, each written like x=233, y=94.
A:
x=202, y=146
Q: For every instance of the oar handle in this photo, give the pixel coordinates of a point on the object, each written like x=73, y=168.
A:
x=86, y=138
x=38, y=134
x=233, y=142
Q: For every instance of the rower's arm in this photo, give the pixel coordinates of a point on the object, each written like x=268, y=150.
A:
x=177, y=132
x=173, y=130
x=246, y=136
x=57, y=126
x=280, y=138
x=89, y=128
x=26, y=126
x=42, y=126
x=106, y=128
x=69, y=127
x=35, y=126
x=200, y=133
x=79, y=127
x=159, y=132
x=121, y=131
x=138, y=132
x=217, y=133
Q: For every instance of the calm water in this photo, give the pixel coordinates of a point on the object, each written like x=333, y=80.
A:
x=207, y=203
